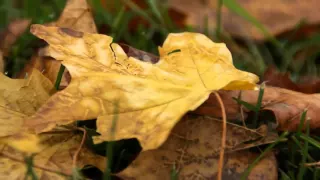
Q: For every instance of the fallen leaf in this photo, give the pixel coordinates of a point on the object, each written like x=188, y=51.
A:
x=49, y=68
x=237, y=163
x=211, y=107
x=151, y=97
x=193, y=148
x=277, y=16
x=275, y=78
x=286, y=105
x=22, y=141
x=14, y=30
x=21, y=98
x=56, y=157
x=76, y=15
x=25, y=95
x=1, y=63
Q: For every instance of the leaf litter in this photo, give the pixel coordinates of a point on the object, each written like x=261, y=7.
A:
x=286, y=105
x=193, y=149
x=153, y=93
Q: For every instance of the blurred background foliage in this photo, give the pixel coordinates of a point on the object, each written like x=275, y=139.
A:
x=144, y=24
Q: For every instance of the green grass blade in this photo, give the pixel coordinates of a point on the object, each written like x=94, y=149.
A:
x=30, y=172
x=102, y=16
x=116, y=24
x=117, y=21
x=302, y=122
x=168, y=20
x=136, y=9
x=316, y=174
x=246, y=105
x=174, y=51
x=206, y=26
x=283, y=175
x=59, y=77
x=259, y=60
x=310, y=140
x=296, y=47
x=301, y=147
x=259, y=104
x=110, y=144
x=251, y=166
x=174, y=174
x=302, y=168
x=234, y=6
x=154, y=7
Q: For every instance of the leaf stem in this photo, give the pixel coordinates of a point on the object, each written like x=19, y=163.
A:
x=76, y=154
x=224, y=134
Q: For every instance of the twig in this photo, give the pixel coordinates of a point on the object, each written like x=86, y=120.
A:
x=35, y=166
x=312, y=164
x=76, y=154
x=224, y=134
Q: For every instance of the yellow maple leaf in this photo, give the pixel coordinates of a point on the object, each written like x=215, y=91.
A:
x=21, y=98
x=151, y=97
x=76, y=15
x=193, y=149
x=54, y=160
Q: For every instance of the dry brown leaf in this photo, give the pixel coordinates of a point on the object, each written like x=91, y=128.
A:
x=193, y=148
x=286, y=105
x=1, y=62
x=212, y=108
x=275, y=78
x=237, y=163
x=310, y=84
x=56, y=155
x=14, y=30
x=21, y=98
x=49, y=68
x=151, y=97
x=76, y=15
x=277, y=16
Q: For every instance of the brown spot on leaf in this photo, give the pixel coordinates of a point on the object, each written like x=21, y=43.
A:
x=139, y=54
x=71, y=32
